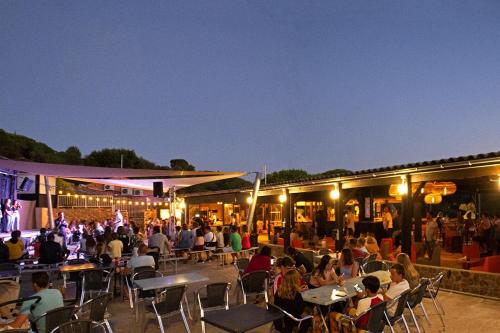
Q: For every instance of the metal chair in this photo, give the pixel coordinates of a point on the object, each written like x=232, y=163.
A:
x=241, y=264
x=141, y=275
x=216, y=297
x=375, y=315
x=129, y=282
x=255, y=283
x=373, y=266
x=169, y=304
x=401, y=300
x=415, y=298
x=432, y=292
x=298, y=321
x=95, y=280
x=53, y=318
x=97, y=309
x=76, y=326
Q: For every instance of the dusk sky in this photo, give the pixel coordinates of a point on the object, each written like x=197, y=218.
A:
x=233, y=85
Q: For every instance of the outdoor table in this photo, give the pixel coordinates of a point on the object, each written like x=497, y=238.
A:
x=241, y=318
x=331, y=294
x=66, y=269
x=171, y=260
x=171, y=281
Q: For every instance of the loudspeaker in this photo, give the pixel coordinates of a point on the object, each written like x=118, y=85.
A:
x=26, y=184
x=158, y=189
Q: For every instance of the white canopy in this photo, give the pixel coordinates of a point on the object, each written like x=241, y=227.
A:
x=133, y=178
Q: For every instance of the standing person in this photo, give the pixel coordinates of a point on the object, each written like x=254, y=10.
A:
x=16, y=215
x=61, y=226
x=50, y=299
x=159, y=240
x=6, y=215
x=387, y=222
x=15, y=245
x=431, y=233
x=349, y=225
x=118, y=222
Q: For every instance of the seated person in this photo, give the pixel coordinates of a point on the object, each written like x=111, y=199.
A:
x=50, y=299
x=410, y=273
x=348, y=267
x=115, y=247
x=51, y=252
x=368, y=299
x=15, y=245
x=260, y=262
x=284, y=265
x=142, y=259
x=371, y=245
x=289, y=298
x=356, y=252
x=301, y=262
x=397, y=286
x=324, y=274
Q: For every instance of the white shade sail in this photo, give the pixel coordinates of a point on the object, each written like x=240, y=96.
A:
x=133, y=178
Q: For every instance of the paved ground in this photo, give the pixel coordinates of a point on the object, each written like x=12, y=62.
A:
x=463, y=313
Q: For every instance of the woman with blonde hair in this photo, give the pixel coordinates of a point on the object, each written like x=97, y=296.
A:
x=371, y=245
x=411, y=274
x=289, y=298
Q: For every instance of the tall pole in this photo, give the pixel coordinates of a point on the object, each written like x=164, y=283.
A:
x=406, y=218
x=49, y=202
x=339, y=219
x=255, y=194
x=288, y=218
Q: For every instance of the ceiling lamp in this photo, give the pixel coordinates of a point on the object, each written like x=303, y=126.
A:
x=282, y=197
x=433, y=199
x=335, y=193
x=249, y=199
x=443, y=188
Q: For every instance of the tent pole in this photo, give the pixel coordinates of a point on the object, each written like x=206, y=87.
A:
x=49, y=202
x=256, y=187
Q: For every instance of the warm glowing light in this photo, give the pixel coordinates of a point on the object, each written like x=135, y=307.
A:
x=68, y=194
x=154, y=204
x=182, y=205
x=402, y=188
x=105, y=200
x=249, y=200
x=282, y=197
x=335, y=193
x=83, y=197
x=76, y=196
x=90, y=198
x=130, y=202
x=136, y=203
x=97, y=199
x=433, y=199
x=118, y=201
x=60, y=192
x=142, y=203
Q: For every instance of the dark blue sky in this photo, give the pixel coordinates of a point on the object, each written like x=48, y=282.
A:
x=234, y=85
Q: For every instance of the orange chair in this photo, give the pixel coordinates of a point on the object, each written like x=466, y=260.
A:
x=297, y=243
x=281, y=241
x=330, y=243
x=491, y=265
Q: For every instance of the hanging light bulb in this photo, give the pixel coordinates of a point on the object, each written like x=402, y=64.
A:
x=249, y=199
x=402, y=188
x=60, y=192
x=282, y=197
x=68, y=194
x=335, y=193
x=76, y=196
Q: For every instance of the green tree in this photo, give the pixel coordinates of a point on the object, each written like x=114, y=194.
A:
x=112, y=158
x=181, y=164
x=334, y=172
x=72, y=155
x=287, y=175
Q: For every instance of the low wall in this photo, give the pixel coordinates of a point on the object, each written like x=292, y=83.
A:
x=461, y=280
x=481, y=284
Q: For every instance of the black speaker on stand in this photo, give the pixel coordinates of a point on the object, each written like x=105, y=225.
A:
x=158, y=189
x=26, y=184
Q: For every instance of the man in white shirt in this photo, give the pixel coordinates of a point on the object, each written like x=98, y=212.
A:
x=210, y=238
x=387, y=222
x=397, y=287
x=142, y=259
x=159, y=240
x=118, y=219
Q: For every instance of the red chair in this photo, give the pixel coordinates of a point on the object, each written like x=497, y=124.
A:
x=472, y=253
x=281, y=241
x=297, y=243
x=491, y=265
x=330, y=243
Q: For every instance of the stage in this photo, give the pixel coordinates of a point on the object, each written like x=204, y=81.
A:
x=27, y=235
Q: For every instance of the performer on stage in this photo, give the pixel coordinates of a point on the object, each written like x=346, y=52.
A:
x=61, y=225
x=16, y=216
x=6, y=224
x=118, y=220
